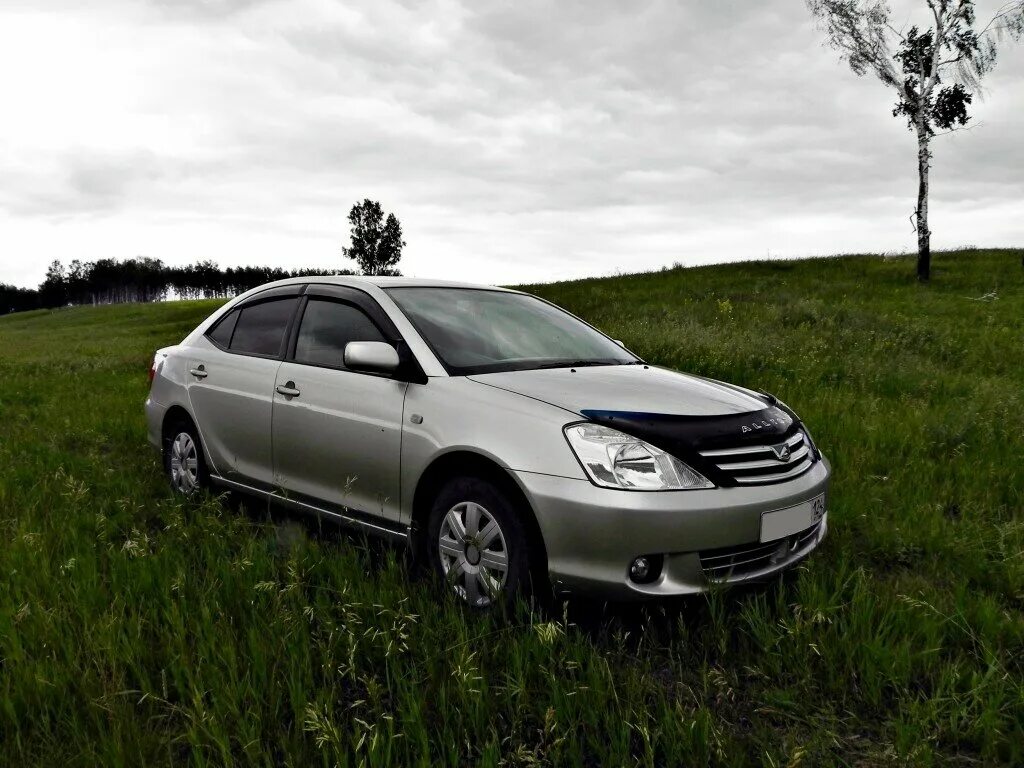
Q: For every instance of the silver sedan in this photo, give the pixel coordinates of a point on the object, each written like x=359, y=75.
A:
x=502, y=438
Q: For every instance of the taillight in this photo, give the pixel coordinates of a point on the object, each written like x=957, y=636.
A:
x=152, y=369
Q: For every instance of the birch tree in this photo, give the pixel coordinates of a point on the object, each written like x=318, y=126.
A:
x=935, y=71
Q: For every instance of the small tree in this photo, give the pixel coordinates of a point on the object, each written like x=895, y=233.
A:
x=934, y=72
x=53, y=292
x=376, y=241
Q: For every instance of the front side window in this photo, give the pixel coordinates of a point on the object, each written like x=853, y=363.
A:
x=260, y=328
x=484, y=331
x=326, y=327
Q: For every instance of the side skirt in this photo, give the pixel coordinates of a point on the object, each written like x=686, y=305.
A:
x=396, y=532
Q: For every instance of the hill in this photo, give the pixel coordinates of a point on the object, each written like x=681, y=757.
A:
x=138, y=630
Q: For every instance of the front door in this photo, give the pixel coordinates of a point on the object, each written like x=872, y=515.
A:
x=337, y=434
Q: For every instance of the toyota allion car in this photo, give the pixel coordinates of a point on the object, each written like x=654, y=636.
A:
x=505, y=440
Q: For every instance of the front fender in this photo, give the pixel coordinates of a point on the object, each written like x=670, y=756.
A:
x=449, y=414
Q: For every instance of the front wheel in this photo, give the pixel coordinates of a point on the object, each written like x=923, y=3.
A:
x=477, y=543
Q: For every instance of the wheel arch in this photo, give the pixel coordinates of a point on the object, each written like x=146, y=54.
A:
x=464, y=463
x=177, y=413
x=173, y=415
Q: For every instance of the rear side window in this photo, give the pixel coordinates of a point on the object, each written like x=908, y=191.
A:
x=327, y=326
x=221, y=332
x=260, y=328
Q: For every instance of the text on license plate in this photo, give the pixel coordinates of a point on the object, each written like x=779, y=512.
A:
x=781, y=523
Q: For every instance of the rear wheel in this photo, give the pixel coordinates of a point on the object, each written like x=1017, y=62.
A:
x=477, y=543
x=184, y=463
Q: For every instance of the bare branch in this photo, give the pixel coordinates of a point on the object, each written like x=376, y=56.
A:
x=1008, y=12
x=957, y=129
x=897, y=32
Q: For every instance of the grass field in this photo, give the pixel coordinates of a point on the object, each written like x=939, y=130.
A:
x=136, y=630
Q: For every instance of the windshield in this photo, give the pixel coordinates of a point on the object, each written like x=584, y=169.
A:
x=482, y=331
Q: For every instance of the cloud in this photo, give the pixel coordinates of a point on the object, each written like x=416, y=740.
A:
x=515, y=142
x=89, y=183
x=205, y=9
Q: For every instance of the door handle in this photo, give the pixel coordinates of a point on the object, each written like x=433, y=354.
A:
x=288, y=390
x=199, y=372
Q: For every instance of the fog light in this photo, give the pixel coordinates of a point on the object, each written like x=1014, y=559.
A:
x=646, y=569
x=640, y=568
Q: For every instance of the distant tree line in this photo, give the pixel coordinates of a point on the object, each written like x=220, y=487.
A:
x=376, y=247
x=109, y=281
x=14, y=299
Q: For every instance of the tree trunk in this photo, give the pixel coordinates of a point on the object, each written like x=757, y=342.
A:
x=924, y=235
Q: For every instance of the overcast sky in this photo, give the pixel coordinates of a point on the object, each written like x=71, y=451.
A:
x=516, y=142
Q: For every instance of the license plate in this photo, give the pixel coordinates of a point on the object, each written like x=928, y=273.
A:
x=785, y=522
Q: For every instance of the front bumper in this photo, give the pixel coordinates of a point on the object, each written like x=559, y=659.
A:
x=592, y=534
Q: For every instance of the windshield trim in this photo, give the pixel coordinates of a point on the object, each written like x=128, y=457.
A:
x=504, y=367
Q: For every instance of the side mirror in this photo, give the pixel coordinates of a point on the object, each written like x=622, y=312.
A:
x=375, y=356
x=619, y=342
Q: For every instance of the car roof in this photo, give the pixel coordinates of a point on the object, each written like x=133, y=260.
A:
x=381, y=282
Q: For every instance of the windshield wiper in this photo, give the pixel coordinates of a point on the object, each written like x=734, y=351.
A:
x=574, y=364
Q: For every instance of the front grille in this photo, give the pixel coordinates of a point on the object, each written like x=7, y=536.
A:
x=745, y=559
x=761, y=463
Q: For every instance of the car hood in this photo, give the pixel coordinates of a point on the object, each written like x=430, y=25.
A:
x=639, y=389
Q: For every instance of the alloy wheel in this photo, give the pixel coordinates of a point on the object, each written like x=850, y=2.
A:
x=473, y=552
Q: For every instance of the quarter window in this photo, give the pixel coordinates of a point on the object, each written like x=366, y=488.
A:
x=261, y=327
x=221, y=332
x=327, y=326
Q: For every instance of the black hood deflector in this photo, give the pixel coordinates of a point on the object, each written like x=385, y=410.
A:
x=685, y=436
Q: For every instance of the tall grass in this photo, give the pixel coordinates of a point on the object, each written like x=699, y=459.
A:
x=135, y=629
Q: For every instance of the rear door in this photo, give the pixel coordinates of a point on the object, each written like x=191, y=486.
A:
x=337, y=432
x=231, y=386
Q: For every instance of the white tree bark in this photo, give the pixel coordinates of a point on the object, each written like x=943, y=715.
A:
x=924, y=235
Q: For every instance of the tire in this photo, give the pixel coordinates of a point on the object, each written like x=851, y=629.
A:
x=184, y=462
x=476, y=543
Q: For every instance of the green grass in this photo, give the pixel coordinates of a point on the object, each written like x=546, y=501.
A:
x=138, y=630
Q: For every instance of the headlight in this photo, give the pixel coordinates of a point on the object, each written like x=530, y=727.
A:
x=815, y=451
x=613, y=459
